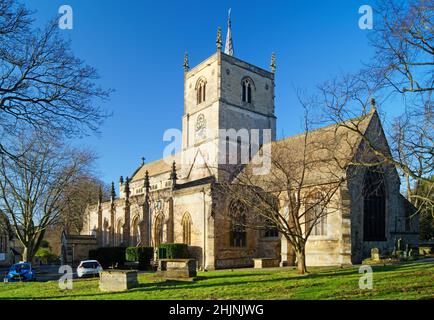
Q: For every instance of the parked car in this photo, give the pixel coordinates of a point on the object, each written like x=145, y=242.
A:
x=89, y=268
x=22, y=271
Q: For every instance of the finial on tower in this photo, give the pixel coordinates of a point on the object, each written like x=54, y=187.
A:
x=186, y=66
x=219, y=39
x=121, y=180
x=229, y=47
x=273, y=62
x=143, y=160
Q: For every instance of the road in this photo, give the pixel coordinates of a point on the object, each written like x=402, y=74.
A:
x=43, y=273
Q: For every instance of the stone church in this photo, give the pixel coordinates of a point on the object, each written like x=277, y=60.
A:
x=174, y=199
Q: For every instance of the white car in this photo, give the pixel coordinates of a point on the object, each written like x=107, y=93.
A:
x=88, y=268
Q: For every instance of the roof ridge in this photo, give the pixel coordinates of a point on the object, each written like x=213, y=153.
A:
x=361, y=118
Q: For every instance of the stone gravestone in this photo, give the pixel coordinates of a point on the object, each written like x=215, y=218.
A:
x=177, y=268
x=375, y=254
x=117, y=280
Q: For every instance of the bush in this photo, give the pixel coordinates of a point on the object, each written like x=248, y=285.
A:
x=143, y=255
x=46, y=256
x=173, y=251
x=108, y=256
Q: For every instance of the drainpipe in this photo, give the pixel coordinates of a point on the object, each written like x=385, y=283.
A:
x=204, y=230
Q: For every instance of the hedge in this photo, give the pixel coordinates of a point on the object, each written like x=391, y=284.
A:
x=46, y=256
x=143, y=255
x=173, y=251
x=108, y=256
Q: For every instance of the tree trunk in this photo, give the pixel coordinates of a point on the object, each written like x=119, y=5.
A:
x=301, y=261
x=27, y=254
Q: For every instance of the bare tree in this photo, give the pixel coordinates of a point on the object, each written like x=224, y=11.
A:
x=300, y=190
x=401, y=72
x=42, y=84
x=32, y=195
x=77, y=195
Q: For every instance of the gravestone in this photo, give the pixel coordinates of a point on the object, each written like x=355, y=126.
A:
x=260, y=263
x=118, y=280
x=177, y=268
x=375, y=254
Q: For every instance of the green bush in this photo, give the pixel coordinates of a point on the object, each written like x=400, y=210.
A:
x=108, y=256
x=46, y=256
x=143, y=255
x=173, y=251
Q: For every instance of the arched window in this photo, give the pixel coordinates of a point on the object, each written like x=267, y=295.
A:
x=186, y=229
x=247, y=85
x=158, y=230
x=316, y=215
x=119, y=232
x=105, y=232
x=374, y=210
x=237, y=213
x=136, y=231
x=201, y=90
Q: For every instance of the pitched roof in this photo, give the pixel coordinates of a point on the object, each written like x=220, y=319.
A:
x=324, y=152
x=157, y=167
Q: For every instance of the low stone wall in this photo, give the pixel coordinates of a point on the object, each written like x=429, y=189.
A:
x=177, y=268
x=118, y=280
x=265, y=263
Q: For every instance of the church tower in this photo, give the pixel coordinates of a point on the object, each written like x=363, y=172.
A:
x=224, y=98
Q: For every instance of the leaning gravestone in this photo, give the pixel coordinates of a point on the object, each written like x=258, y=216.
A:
x=118, y=280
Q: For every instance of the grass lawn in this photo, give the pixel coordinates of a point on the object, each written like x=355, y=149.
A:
x=406, y=281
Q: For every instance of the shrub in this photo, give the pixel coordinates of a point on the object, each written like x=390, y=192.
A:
x=143, y=255
x=46, y=256
x=108, y=256
x=173, y=251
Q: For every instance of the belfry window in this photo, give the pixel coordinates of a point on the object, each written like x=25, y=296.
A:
x=201, y=91
x=374, y=202
x=247, y=90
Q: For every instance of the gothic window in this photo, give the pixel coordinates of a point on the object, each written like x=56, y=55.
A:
x=247, y=85
x=201, y=90
x=316, y=216
x=119, y=233
x=136, y=231
x=158, y=230
x=186, y=229
x=271, y=232
x=105, y=232
x=238, y=224
x=374, y=210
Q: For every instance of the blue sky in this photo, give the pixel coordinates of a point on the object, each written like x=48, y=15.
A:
x=138, y=48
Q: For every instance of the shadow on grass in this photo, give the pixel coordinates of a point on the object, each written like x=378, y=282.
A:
x=174, y=285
